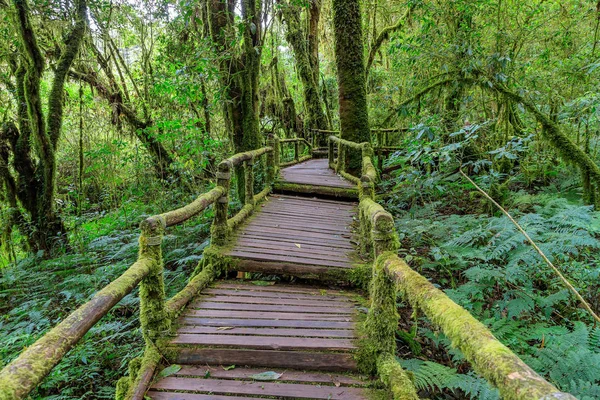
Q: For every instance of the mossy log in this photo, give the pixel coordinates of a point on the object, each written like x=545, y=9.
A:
x=395, y=378
x=348, y=193
x=294, y=162
x=134, y=386
x=194, y=208
x=347, y=143
x=239, y=158
x=23, y=374
x=490, y=358
x=378, y=233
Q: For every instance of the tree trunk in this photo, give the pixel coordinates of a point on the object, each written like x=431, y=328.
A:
x=349, y=56
x=307, y=61
x=239, y=75
x=33, y=183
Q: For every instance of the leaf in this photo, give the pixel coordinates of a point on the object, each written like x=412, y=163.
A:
x=207, y=373
x=263, y=283
x=266, y=376
x=229, y=367
x=298, y=245
x=170, y=370
x=224, y=328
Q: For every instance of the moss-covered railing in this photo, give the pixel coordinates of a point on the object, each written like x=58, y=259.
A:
x=391, y=275
x=301, y=146
x=24, y=373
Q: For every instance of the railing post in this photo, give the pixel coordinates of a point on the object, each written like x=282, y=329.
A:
x=331, y=154
x=220, y=229
x=271, y=160
x=249, y=172
x=383, y=234
x=276, y=154
x=153, y=315
x=297, y=150
x=341, y=160
x=367, y=187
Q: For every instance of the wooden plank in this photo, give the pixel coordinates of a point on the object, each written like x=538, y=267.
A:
x=210, y=305
x=310, y=271
x=264, y=342
x=281, y=287
x=297, y=260
x=289, y=390
x=258, y=293
x=333, y=242
x=265, y=315
x=313, y=199
x=324, y=333
x=292, y=247
x=262, y=219
x=303, y=227
x=282, y=232
x=266, y=323
x=191, y=396
x=261, y=253
x=273, y=300
x=287, y=376
x=334, y=362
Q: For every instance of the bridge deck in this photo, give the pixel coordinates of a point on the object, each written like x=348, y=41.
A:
x=315, y=172
x=297, y=235
x=287, y=329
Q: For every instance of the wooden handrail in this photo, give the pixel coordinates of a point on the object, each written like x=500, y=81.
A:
x=491, y=359
x=23, y=374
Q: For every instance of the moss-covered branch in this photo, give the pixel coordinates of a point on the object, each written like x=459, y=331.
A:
x=385, y=35
x=194, y=208
x=490, y=358
x=391, y=373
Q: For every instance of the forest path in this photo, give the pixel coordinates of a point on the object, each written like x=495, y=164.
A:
x=281, y=341
x=305, y=333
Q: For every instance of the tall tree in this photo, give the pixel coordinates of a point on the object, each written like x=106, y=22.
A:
x=349, y=57
x=239, y=71
x=29, y=172
x=305, y=47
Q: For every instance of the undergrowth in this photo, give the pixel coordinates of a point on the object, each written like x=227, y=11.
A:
x=476, y=255
x=36, y=294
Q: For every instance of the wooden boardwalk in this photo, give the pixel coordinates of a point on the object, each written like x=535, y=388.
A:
x=314, y=172
x=286, y=329
x=297, y=235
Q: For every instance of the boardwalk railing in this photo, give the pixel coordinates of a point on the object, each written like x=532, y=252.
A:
x=24, y=373
x=391, y=275
x=300, y=147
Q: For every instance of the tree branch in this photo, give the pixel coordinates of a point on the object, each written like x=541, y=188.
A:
x=385, y=35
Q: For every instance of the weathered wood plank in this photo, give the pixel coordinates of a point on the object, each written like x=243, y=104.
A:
x=273, y=300
x=266, y=323
x=211, y=305
x=263, y=342
x=287, y=376
x=265, y=315
x=258, y=293
x=290, y=390
x=334, y=362
x=298, y=332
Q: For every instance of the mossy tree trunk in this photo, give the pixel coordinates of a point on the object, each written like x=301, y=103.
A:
x=349, y=56
x=32, y=180
x=304, y=43
x=239, y=72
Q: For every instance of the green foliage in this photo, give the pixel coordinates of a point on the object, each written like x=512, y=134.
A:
x=35, y=294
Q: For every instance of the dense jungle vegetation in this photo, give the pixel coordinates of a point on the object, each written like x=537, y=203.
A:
x=113, y=110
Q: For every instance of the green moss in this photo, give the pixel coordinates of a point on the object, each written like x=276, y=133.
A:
x=348, y=193
x=394, y=377
x=382, y=321
x=488, y=356
x=138, y=367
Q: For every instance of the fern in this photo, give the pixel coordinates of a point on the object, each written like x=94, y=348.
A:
x=434, y=377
